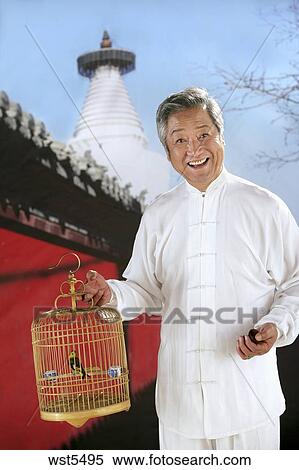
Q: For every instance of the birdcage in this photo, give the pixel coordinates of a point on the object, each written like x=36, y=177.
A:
x=80, y=359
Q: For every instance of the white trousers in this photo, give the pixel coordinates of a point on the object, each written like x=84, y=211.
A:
x=261, y=438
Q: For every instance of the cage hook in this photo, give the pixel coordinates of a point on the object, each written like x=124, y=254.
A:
x=63, y=256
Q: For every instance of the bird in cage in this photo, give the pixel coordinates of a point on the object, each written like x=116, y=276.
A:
x=76, y=366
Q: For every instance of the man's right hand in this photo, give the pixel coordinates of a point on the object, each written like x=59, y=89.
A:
x=96, y=288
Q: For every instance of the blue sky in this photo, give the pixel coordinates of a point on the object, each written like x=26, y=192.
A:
x=177, y=44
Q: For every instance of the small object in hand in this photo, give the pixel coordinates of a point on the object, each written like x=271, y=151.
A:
x=252, y=334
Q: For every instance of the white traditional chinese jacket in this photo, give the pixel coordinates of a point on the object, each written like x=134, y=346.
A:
x=215, y=265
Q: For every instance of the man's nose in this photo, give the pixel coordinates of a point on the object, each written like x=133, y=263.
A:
x=192, y=146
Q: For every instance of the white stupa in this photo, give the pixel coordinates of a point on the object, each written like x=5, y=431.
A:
x=110, y=128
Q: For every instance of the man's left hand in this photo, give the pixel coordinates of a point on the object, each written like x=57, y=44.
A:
x=266, y=337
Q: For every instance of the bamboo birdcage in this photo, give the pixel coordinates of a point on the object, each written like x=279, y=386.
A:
x=80, y=359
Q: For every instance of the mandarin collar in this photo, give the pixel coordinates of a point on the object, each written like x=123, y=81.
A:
x=216, y=183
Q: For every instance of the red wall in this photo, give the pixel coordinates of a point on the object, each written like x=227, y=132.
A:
x=24, y=287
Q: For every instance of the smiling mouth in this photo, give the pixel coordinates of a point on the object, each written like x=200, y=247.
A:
x=198, y=163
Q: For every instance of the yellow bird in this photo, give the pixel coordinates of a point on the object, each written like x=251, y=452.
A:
x=76, y=366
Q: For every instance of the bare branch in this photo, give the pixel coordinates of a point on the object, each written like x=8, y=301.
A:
x=256, y=89
x=264, y=160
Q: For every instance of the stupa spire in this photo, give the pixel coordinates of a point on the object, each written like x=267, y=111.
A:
x=108, y=118
x=106, y=41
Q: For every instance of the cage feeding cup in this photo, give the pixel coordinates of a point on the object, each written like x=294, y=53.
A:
x=80, y=359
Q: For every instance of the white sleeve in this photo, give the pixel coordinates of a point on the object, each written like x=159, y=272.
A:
x=284, y=269
x=141, y=292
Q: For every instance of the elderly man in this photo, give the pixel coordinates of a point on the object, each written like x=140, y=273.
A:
x=216, y=256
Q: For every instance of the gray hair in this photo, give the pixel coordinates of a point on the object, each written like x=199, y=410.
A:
x=188, y=98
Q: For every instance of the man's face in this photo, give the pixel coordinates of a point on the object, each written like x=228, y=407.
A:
x=195, y=148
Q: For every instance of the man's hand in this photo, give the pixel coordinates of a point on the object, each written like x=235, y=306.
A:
x=96, y=288
x=266, y=337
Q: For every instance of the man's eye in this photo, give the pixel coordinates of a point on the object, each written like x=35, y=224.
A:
x=203, y=136
x=179, y=141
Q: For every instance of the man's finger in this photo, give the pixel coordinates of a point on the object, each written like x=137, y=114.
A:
x=88, y=297
x=245, y=350
x=97, y=298
x=91, y=275
x=265, y=333
x=250, y=345
x=256, y=348
x=101, y=298
x=241, y=354
x=90, y=289
x=260, y=336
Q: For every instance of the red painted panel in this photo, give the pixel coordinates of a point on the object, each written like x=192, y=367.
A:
x=21, y=258
x=27, y=285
